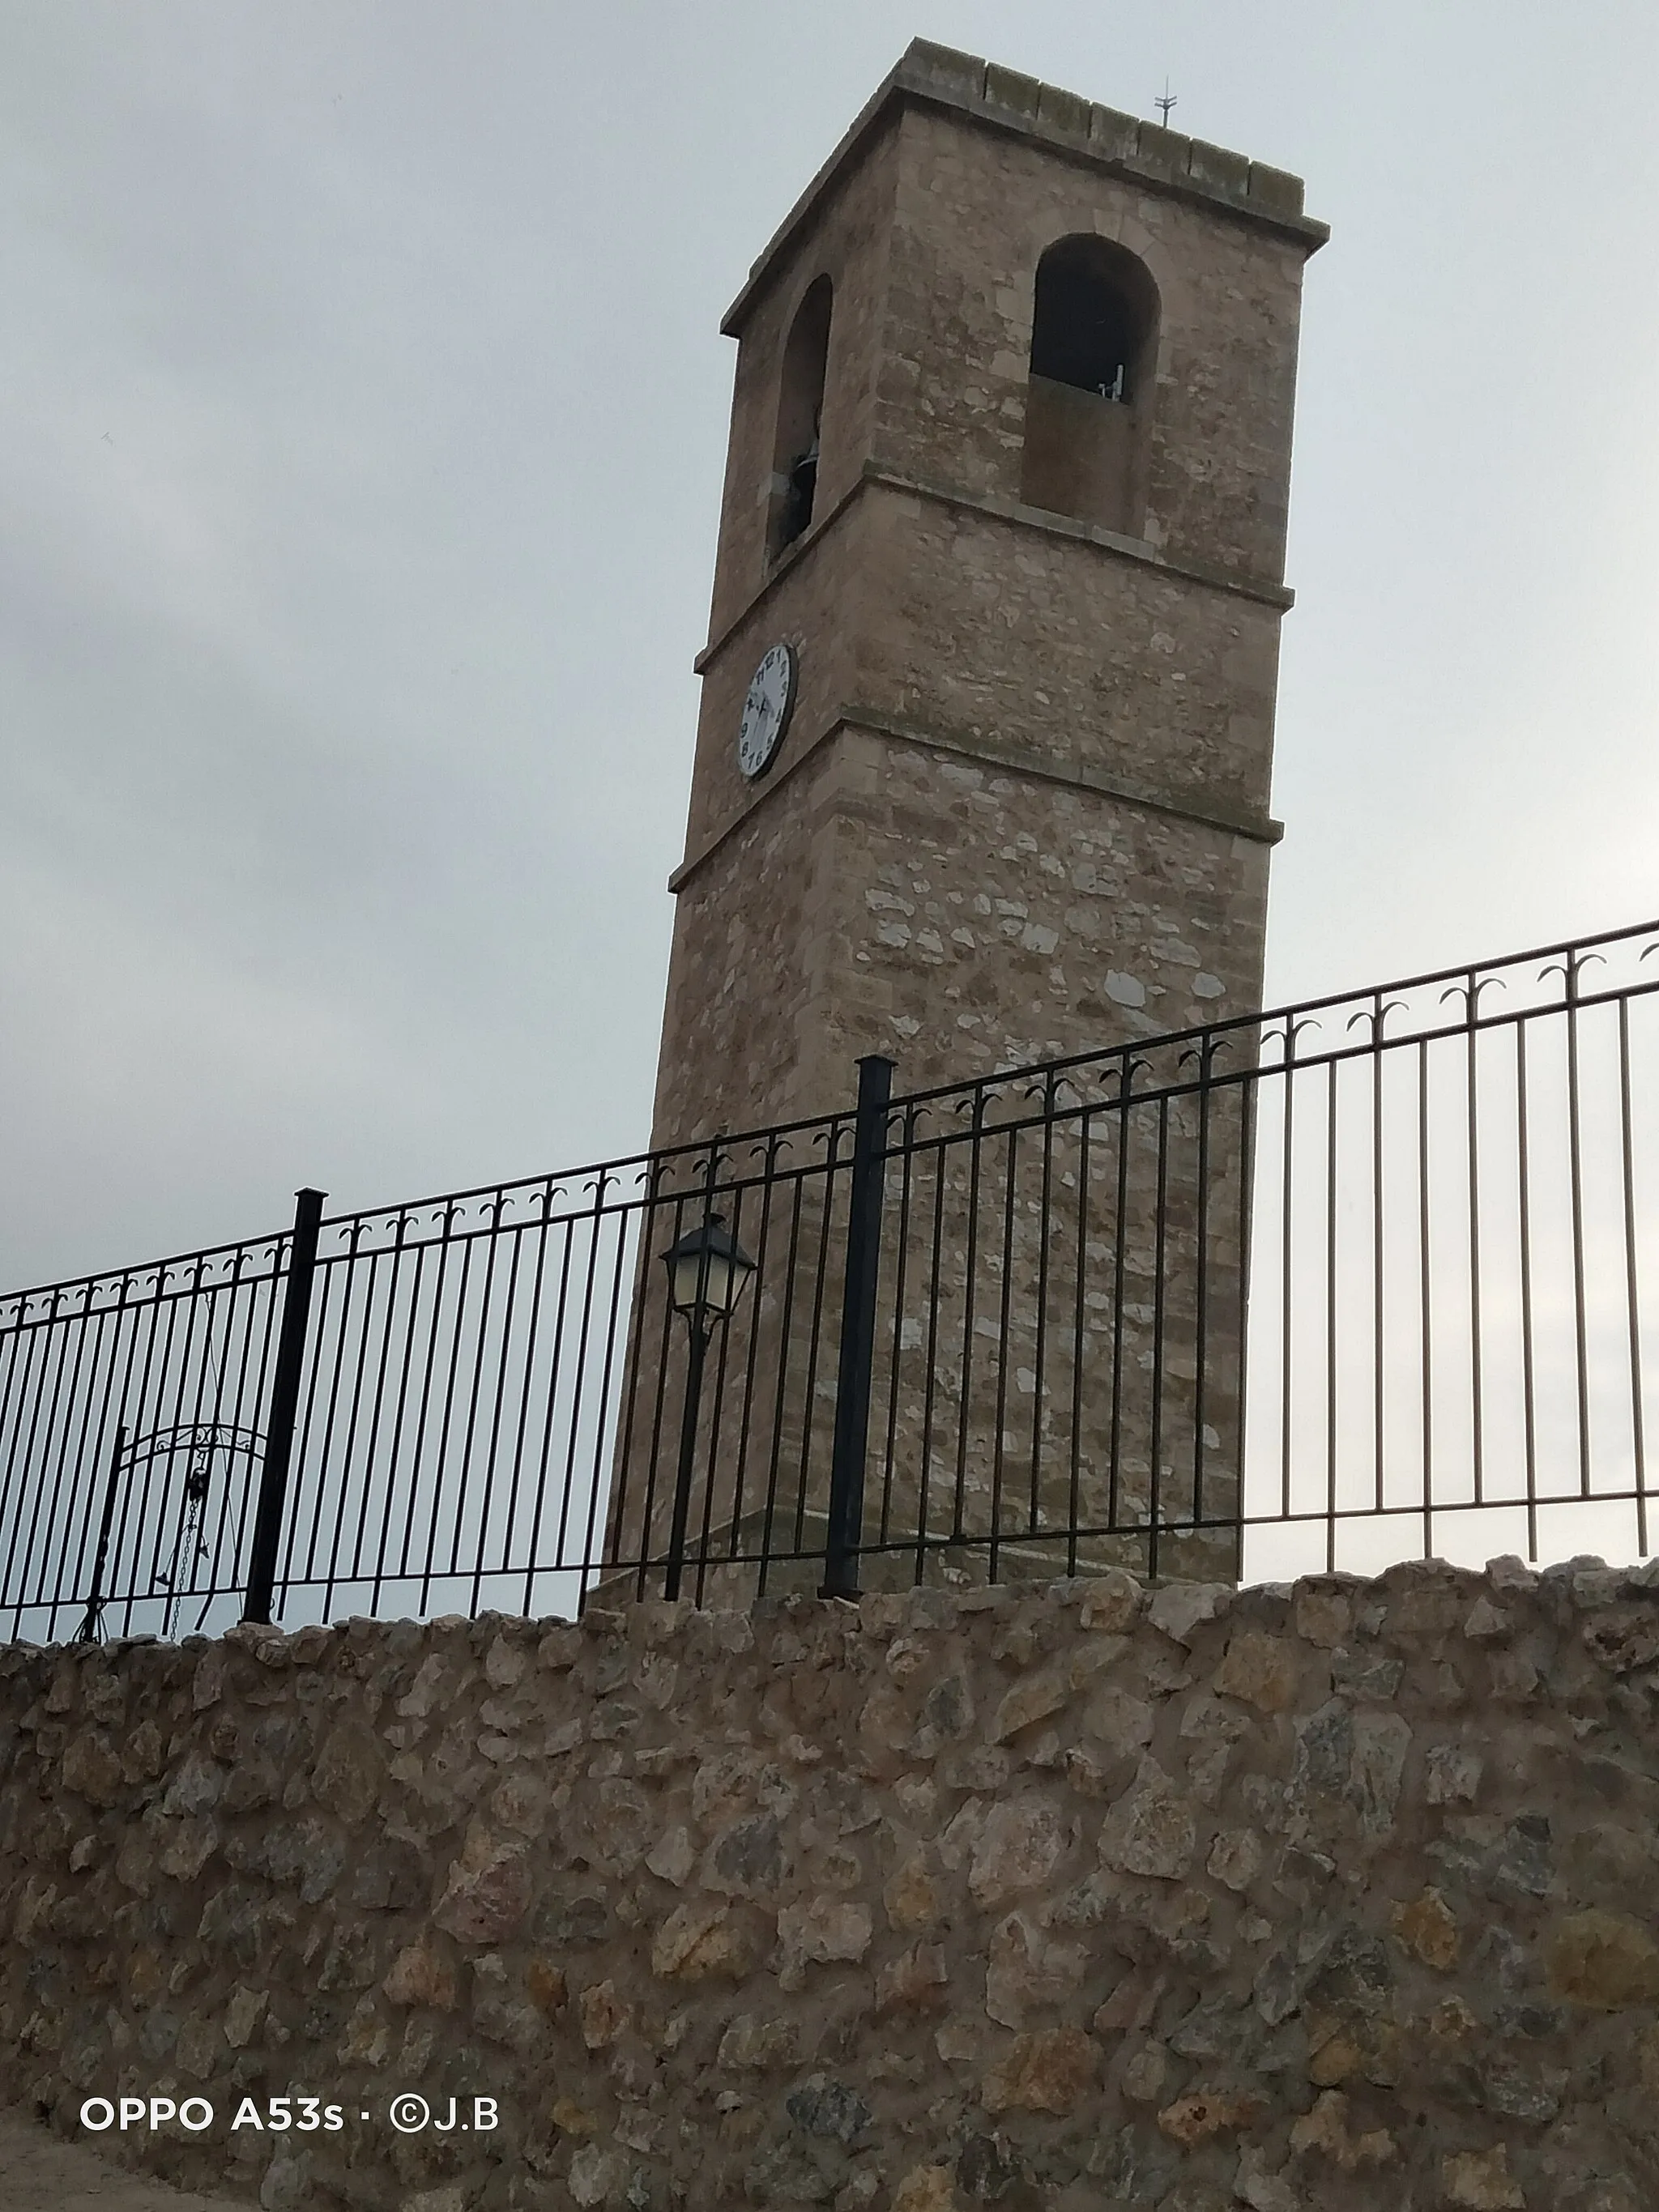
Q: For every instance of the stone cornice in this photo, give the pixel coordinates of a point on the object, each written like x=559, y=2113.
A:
x=1002, y=760
x=1261, y=589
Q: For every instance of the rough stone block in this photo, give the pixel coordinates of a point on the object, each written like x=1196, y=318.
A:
x=1218, y=170
x=1019, y=95
x=1062, y=113
x=946, y=67
x=1113, y=133
x=1276, y=189
x=1166, y=153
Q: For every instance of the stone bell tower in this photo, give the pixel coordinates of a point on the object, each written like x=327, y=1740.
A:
x=1008, y=484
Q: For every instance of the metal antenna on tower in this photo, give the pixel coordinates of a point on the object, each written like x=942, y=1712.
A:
x=1164, y=104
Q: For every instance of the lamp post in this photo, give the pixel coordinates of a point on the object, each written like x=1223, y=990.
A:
x=707, y=1272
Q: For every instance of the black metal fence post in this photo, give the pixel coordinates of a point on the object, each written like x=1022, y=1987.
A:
x=284, y=1405
x=688, y=1410
x=87, y=1631
x=858, y=1330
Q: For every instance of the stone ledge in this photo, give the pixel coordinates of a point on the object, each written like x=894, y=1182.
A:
x=986, y=752
x=1265, y=591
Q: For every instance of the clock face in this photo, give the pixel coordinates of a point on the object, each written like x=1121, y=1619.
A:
x=766, y=710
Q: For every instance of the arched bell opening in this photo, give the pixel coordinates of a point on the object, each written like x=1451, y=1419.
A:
x=801, y=418
x=1088, y=406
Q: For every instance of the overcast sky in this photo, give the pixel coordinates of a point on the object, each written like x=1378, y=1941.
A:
x=364, y=410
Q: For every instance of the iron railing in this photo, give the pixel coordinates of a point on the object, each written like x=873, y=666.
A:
x=1320, y=1287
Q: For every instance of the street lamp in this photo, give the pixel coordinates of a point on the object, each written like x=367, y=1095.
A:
x=707, y=1271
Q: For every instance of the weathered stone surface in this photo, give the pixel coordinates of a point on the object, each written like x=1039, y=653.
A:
x=1110, y=1604
x=752, y=2045
x=1026, y=1972
x=746, y=1858
x=1181, y=1609
x=1259, y=1669
x=820, y=1932
x=946, y=1717
x=1034, y=1698
x=917, y=1980
x=1049, y=2071
x=349, y=1772
x=243, y=2015
x=489, y=1890
x=195, y=1787
x=694, y=1954
x=1453, y=1775
x=1020, y=1847
x=1480, y=2181
x=596, y=2175
x=925, y=2189
x=1380, y=1741
x=1153, y=1829
x=1327, y=2129
x=1194, y=2118
x=1236, y=1858
x=1604, y=1961
x=1624, y=1638
x=1428, y=1929
x=421, y=1975
x=1324, y=1753
x=187, y=1849
x=1263, y=2190
x=1120, y=1721
x=702, y=1942
x=92, y=1769
x=604, y=2014
x=911, y=1895
x=823, y=2106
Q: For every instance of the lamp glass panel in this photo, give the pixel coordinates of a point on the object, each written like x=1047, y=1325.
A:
x=711, y=1273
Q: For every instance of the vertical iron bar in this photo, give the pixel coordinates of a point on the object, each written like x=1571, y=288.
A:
x=532, y=1337
x=1528, y=1401
x=1160, y=1257
x=1286, y=1283
x=751, y=1361
x=1246, y=1218
x=87, y=1631
x=1202, y=1303
x=1477, y=1374
x=1126, y=1073
x=785, y=1341
x=699, y=1345
x=113, y=1316
x=284, y=1404
x=498, y=1394
x=969, y=1302
x=930, y=1367
x=1580, y=1319
x=1378, y=1333
x=1005, y=1325
x=1632, y=1312
x=901, y=1291
x=1080, y=1319
x=706, y=1533
x=593, y=1540
x=857, y=1329
x=1425, y=1294
x=1330, y=1317
x=825, y=1185
x=1040, y=1348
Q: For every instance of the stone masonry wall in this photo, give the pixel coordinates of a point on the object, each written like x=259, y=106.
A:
x=1066, y=1897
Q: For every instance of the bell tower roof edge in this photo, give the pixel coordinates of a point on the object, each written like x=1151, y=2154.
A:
x=1003, y=99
